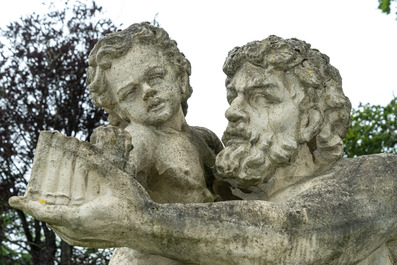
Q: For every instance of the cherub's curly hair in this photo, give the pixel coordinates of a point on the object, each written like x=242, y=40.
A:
x=117, y=44
x=320, y=81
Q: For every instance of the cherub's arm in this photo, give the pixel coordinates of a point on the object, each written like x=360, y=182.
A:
x=114, y=143
x=209, y=146
x=130, y=149
x=210, y=138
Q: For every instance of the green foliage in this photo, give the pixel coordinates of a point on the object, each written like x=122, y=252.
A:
x=13, y=257
x=373, y=130
x=385, y=5
x=42, y=87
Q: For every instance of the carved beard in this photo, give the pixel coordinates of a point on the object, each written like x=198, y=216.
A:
x=250, y=157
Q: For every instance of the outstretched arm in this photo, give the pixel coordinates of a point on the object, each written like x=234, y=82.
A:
x=324, y=225
x=341, y=219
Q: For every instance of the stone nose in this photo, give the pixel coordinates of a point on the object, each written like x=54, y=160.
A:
x=236, y=111
x=147, y=91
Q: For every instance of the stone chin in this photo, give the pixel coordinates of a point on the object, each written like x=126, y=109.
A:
x=247, y=164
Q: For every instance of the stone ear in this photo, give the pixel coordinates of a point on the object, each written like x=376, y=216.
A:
x=310, y=124
x=184, y=79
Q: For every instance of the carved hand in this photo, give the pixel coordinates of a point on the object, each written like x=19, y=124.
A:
x=83, y=197
x=114, y=143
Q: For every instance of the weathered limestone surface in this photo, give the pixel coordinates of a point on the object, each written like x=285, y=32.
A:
x=145, y=183
x=142, y=80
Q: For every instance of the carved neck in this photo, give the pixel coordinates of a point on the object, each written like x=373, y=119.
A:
x=302, y=168
x=177, y=123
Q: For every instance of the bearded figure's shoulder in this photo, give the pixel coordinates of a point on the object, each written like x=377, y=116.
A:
x=370, y=166
x=209, y=137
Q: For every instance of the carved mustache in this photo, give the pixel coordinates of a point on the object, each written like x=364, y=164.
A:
x=240, y=132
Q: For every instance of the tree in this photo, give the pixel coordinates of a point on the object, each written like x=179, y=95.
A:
x=42, y=87
x=373, y=130
x=385, y=5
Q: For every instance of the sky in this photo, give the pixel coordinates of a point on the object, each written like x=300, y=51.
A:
x=360, y=40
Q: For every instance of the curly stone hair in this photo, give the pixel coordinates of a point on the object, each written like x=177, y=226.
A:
x=321, y=86
x=117, y=44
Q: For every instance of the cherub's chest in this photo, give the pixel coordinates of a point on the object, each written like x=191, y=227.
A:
x=178, y=153
x=177, y=173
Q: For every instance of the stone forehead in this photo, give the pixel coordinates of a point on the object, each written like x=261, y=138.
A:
x=311, y=66
x=252, y=75
x=141, y=55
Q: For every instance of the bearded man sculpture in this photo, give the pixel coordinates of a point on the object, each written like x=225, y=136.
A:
x=302, y=202
x=286, y=106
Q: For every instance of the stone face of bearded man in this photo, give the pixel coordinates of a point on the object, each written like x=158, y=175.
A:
x=277, y=115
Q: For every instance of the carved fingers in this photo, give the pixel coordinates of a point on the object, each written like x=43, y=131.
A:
x=90, y=225
x=54, y=214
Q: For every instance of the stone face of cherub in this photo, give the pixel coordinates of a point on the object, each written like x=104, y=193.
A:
x=154, y=61
x=147, y=88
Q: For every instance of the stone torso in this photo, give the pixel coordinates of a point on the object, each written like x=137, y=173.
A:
x=171, y=166
x=178, y=171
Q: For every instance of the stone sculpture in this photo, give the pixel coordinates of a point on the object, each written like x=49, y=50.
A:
x=302, y=202
x=142, y=80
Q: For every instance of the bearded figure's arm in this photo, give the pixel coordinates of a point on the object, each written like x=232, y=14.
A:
x=340, y=219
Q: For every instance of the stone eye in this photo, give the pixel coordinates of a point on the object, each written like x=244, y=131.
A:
x=129, y=93
x=156, y=78
x=231, y=95
x=264, y=95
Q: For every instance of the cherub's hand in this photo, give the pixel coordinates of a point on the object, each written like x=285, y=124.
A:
x=114, y=143
x=85, y=199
